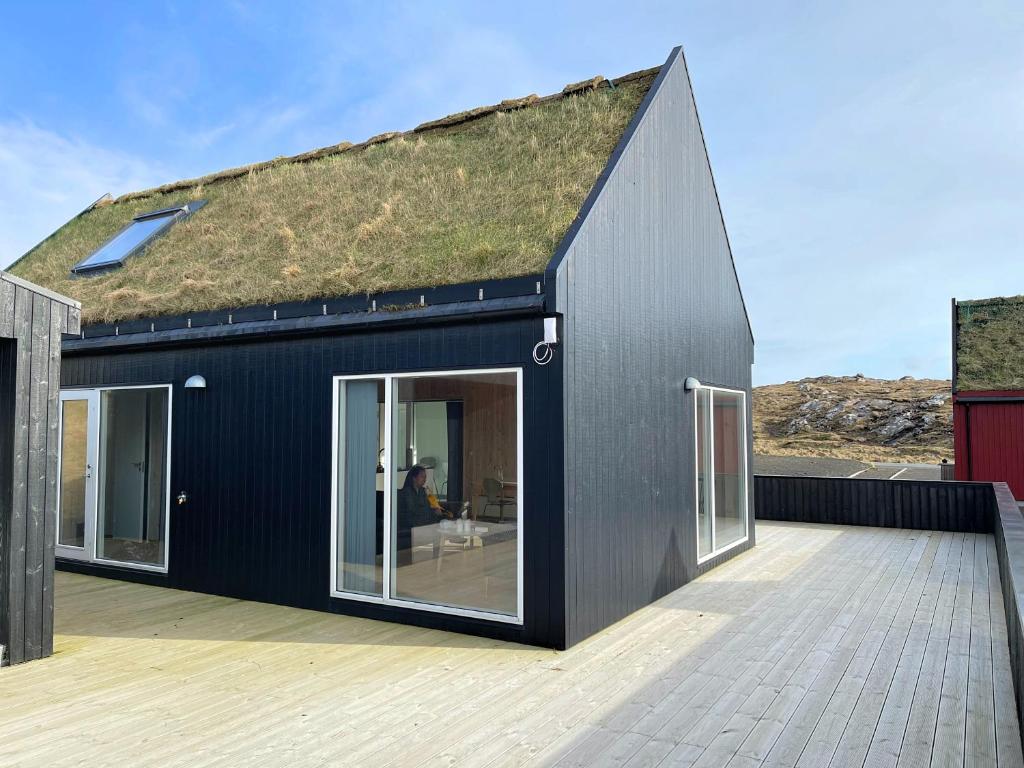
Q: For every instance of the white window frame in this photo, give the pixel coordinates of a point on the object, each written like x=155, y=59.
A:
x=710, y=441
x=93, y=450
x=387, y=598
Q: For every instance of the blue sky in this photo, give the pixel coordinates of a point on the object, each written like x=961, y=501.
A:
x=869, y=155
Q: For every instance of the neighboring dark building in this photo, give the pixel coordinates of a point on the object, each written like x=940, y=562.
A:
x=988, y=391
x=553, y=434
x=32, y=320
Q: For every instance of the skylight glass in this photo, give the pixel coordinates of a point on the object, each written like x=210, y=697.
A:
x=133, y=238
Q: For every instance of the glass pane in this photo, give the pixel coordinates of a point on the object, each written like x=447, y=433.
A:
x=73, y=447
x=456, y=512
x=403, y=446
x=360, y=565
x=125, y=242
x=133, y=476
x=730, y=483
x=704, y=544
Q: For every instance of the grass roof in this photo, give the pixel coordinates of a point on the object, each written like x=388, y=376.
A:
x=483, y=194
x=990, y=344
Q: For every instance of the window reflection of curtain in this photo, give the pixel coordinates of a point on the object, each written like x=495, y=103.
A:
x=156, y=462
x=455, y=422
x=360, y=515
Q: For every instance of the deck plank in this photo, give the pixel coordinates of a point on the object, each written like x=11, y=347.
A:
x=824, y=740
x=823, y=643
x=951, y=718
x=840, y=653
x=919, y=737
x=863, y=721
x=980, y=739
x=883, y=751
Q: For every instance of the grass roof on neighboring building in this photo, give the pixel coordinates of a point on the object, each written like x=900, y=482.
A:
x=990, y=344
x=483, y=194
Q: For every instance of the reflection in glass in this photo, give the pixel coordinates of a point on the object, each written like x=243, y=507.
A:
x=73, y=446
x=360, y=549
x=455, y=503
x=130, y=519
x=704, y=543
x=730, y=495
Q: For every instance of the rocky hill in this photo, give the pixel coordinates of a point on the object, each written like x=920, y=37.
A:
x=854, y=417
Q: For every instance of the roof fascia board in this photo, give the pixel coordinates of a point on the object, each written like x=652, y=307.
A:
x=551, y=271
x=472, y=294
x=981, y=399
x=304, y=326
x=38, y=289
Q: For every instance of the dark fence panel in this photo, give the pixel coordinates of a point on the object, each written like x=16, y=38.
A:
x=920, y=504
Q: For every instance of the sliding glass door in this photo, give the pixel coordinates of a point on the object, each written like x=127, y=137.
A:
x=114, y=502
x=427, y=491
x=132, y=500
x=721, y=442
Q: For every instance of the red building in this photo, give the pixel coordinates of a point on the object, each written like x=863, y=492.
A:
x=988, y=391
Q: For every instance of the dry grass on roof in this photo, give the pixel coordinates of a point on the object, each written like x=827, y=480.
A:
x=990, y=347
x=485, y=199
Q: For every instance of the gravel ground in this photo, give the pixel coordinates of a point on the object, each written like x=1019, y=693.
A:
x=810, y=466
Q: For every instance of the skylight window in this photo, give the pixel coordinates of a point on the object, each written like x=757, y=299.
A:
x=144, y=229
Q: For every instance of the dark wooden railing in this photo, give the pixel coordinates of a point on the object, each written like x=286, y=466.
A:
x=924, y=505
x=1009, y=534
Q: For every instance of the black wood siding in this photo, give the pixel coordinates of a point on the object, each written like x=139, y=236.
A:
x=253, y=452
x=920, y=504
x=31, y=323
x=1009, y=535
x=649, y=296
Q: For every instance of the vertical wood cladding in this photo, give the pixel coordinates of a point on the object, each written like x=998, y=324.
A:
x=649, y=296
x=253, y=453
x=31, y=324
x=988, y=440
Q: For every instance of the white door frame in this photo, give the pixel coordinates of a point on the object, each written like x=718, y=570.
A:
x=709, y=440
x=92, y=398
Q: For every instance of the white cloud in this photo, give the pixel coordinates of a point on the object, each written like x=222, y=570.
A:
x=46, y=178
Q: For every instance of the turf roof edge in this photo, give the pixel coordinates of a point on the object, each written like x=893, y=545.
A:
x=458, y=118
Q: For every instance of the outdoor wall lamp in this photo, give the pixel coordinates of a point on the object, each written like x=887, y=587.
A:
x=195, y=382
x=691, y=383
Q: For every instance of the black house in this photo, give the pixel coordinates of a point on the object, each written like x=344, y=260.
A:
x=490, y=375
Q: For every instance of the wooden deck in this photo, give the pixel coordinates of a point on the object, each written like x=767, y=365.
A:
x=823, y=646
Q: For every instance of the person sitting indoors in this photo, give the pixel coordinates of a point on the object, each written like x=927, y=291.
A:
x=414, y=510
